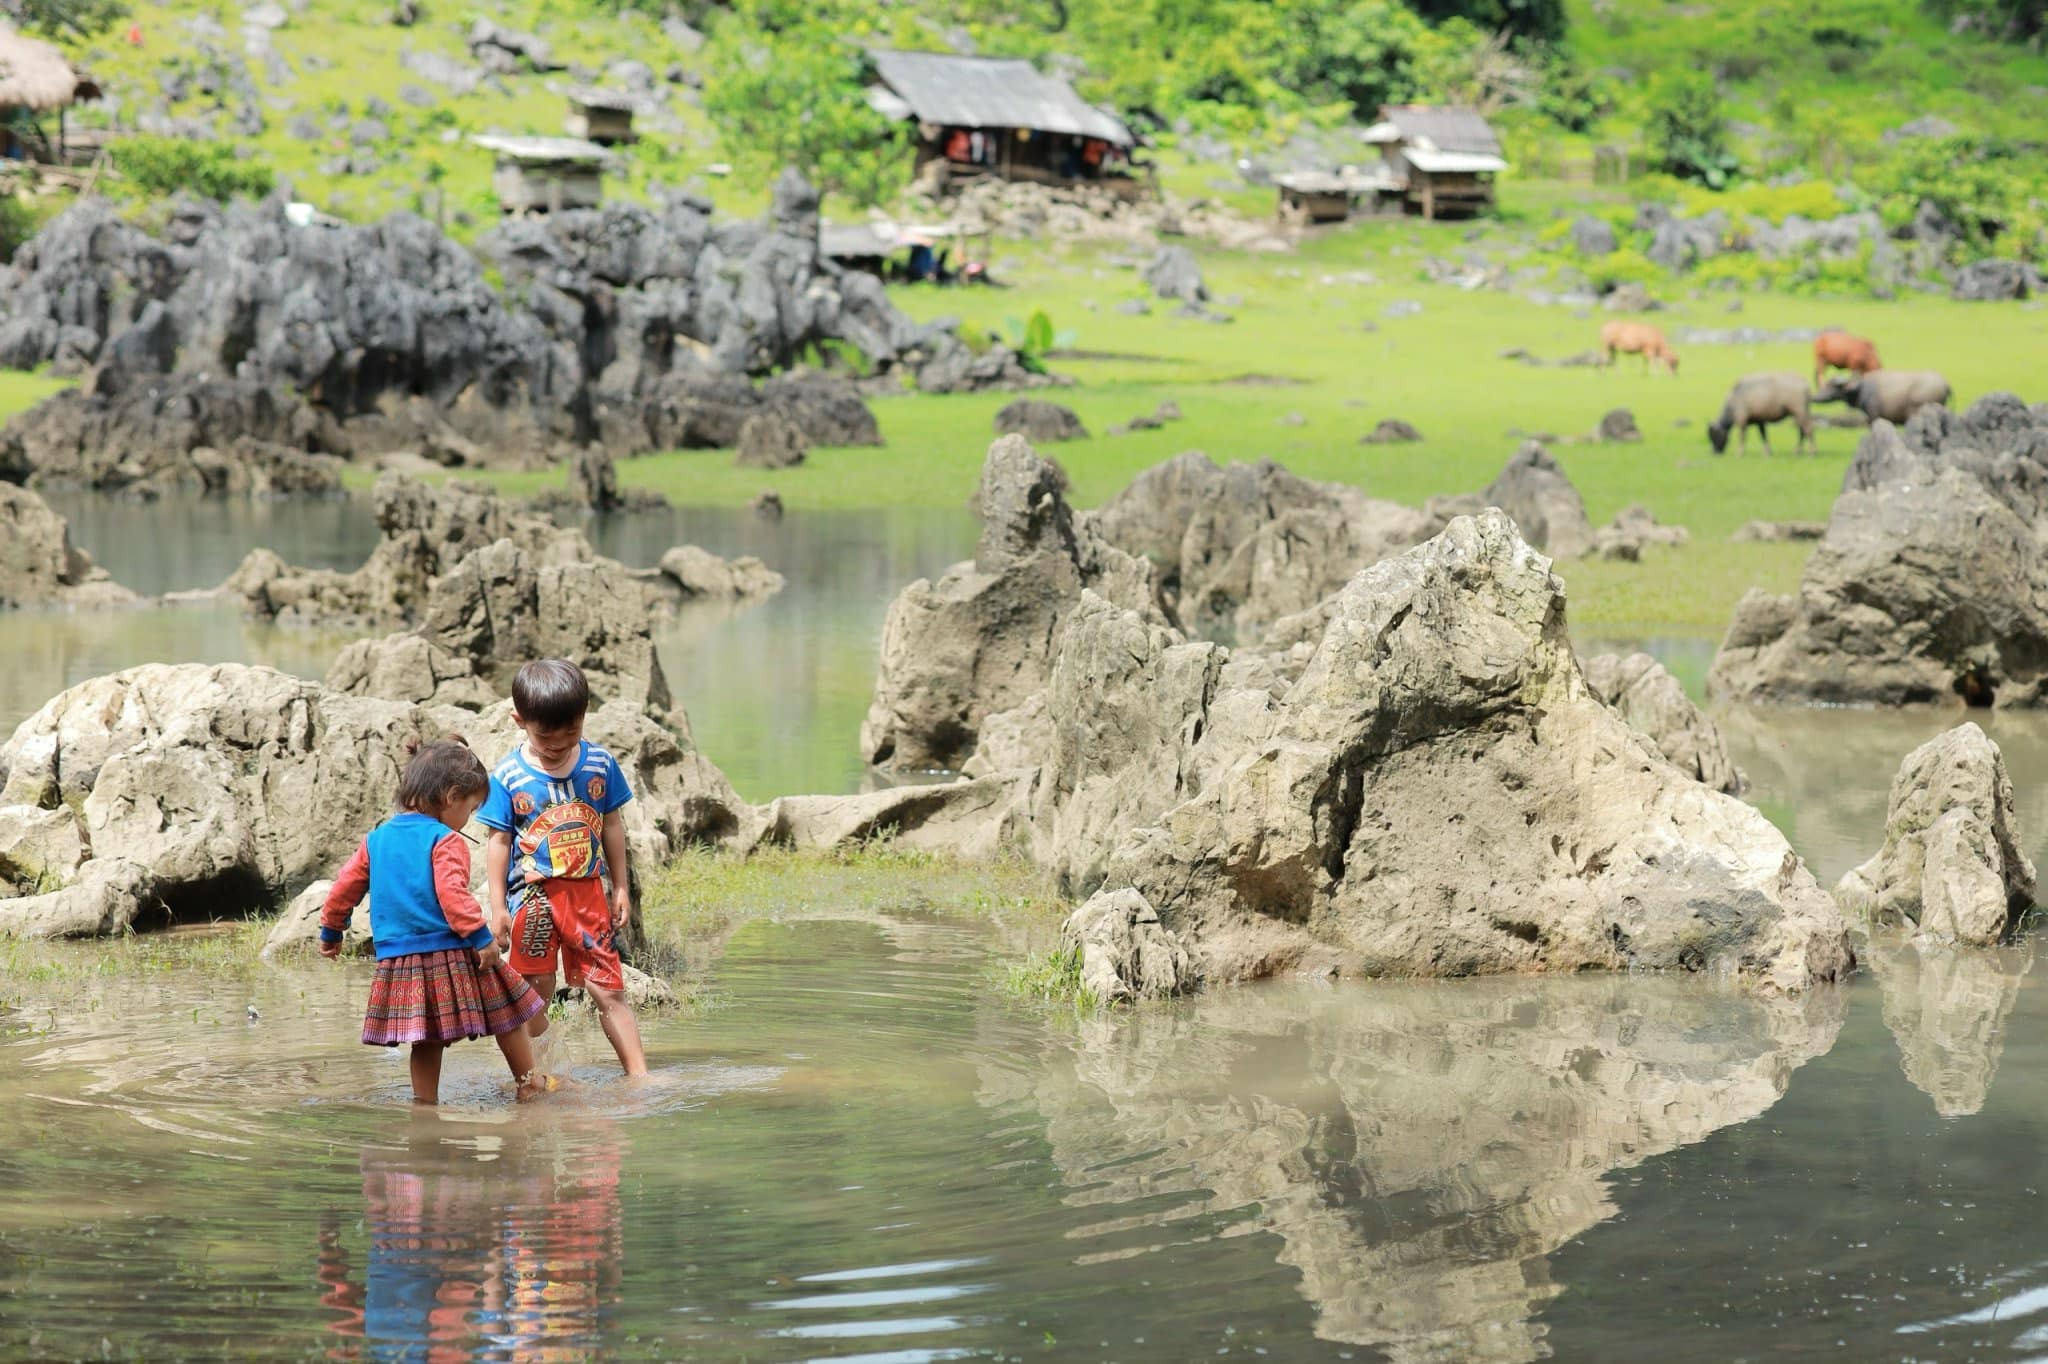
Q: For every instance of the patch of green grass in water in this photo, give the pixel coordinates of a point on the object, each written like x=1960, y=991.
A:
x=1052, y=976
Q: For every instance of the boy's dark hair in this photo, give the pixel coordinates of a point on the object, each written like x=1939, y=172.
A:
x=438, y=772
x=550, y=693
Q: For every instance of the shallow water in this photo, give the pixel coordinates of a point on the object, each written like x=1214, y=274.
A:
x=864, y=1152
x=775, y=692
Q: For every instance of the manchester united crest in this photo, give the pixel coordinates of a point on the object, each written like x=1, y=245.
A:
x=596, y=788
x=522, y=805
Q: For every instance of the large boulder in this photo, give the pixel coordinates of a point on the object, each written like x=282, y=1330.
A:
x=1930, y=583
x=1550, y=838
x=1126, y=953
x=770, y=441
x=967, y=819
x=39, y=566
x=1039, y=422
x=207, y=792
x=1951, y=864
x=1546, y=508
x=1992, y=281
x=980, y=639
x=1594, y=237
x=1655, y=705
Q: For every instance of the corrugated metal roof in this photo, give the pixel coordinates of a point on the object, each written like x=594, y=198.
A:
x=542, y=149
x=1443, y=130
x=991, y=92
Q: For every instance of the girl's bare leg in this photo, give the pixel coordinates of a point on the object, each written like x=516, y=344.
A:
x=518, y=1049
x=425, y=1063
x=621, y=1028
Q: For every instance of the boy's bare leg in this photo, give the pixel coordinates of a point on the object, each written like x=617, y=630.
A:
x=518, y=1050
x=621, y=1028
x=544, y=986
x=424, y=1062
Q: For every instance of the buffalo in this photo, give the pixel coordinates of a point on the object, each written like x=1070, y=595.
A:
x=1758, y=400
x=1893, y=394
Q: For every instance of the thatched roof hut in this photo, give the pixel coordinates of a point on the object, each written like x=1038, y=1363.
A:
x=1445, y=158
x=35, y=76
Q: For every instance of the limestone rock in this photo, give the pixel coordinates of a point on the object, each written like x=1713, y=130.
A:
x=1594, y=237
x=1951, y=863
x=298, y=927
x=40, y=849
x=980, y=639
x=1533, y=490
x=1039, y=422
x=1173, y=274
x=1618, y=425
x=1444, y=682
x=38, y=563
x=973, y=819
x=1778, y=532
x=698, y=573
x=1634, y=527
x=769, y=441
x=1391, y=431
x=1126, y=953
x=1656, y=707
x=1930, y=583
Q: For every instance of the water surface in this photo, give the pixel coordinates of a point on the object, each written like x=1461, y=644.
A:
x=864, y=1152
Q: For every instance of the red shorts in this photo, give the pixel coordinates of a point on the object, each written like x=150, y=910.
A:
x=571, y=917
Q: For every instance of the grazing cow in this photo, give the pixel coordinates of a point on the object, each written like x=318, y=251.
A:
x=1758, y=400
x=1893, y=394
x=1840, y=350
x=1638, y=338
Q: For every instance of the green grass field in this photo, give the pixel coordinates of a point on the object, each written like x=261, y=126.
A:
x=1308, y=340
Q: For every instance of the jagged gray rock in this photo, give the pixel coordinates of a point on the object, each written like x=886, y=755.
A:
x=1655, y=705
x=39, y=566
x=1951, y=864
x=1039, y=422
x=1126, y=953
x=1930, y=583
x=1173, y=274
x=1535, y=493
x=1444, y=681
x=979, y=640
x=770, y=441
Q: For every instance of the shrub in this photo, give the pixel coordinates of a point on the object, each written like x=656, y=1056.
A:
x=1687, y=131
x=1773, y=203
x=165, y=165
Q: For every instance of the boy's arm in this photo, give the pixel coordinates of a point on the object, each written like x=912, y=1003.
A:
x=622, y=871
x=497, y=867
x=351, y=884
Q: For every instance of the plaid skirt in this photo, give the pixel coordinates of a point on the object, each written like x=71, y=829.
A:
x=445, y=996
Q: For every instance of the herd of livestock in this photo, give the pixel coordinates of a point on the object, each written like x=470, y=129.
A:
x=1758, y=400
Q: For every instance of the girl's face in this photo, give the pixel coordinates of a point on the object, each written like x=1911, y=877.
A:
x=455, y=811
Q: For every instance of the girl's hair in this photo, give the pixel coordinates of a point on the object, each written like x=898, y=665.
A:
x=438, y=772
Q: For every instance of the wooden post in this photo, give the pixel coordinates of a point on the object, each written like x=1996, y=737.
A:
x=1429, y=198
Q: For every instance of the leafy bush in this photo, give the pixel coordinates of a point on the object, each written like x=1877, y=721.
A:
x=1626, y=266
x=1687, y=131
x=165, y=165
x=1773, y=203
x=1985, y=186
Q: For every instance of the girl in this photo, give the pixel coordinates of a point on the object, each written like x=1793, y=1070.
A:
x=440, y=977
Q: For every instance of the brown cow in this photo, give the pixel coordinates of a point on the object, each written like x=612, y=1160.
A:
x=1840, y=350
x=1638, y=338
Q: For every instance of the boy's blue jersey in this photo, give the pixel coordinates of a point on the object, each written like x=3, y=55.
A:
x=556, y=823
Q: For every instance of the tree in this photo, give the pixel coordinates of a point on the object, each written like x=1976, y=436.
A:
x=61, y=18
x=789, y=92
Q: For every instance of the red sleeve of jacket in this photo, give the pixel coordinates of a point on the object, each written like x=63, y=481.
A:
x=351, y=884
x=451, y=888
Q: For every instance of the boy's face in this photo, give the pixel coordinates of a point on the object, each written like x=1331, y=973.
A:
x=552, y=746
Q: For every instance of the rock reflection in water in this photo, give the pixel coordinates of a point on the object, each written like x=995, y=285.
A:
x=1946, y=1007
x=1418, y=1149
x=483, y=1247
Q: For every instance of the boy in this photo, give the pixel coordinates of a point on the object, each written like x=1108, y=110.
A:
x=553, y=813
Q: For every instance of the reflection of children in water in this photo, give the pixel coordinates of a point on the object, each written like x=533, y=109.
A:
x=480, y=1258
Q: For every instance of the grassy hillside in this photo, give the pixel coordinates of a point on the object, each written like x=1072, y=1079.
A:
x=1810, y=88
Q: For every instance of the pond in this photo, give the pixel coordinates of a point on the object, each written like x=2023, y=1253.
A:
x=862, y=1151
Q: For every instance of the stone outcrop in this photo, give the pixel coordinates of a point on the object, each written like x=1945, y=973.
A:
x=1655, y=705
x=1173, y=274
x=193, y=791
x=1931, y=582
x=400, y=339
x=1951, y=865
x=1631, y=530
x=1234, y=550
x=1125, y=952
x=972, y=819
x=1778, y=532
x=771, y=441
x=179, y=433
x=39, y=566
x=1391, y=431
x=1039, y=421
x=1444, y=682
x=979, y=640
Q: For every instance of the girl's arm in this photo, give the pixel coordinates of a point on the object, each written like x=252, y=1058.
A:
x=497, y=867
x=351, y=884
x=451, y=889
